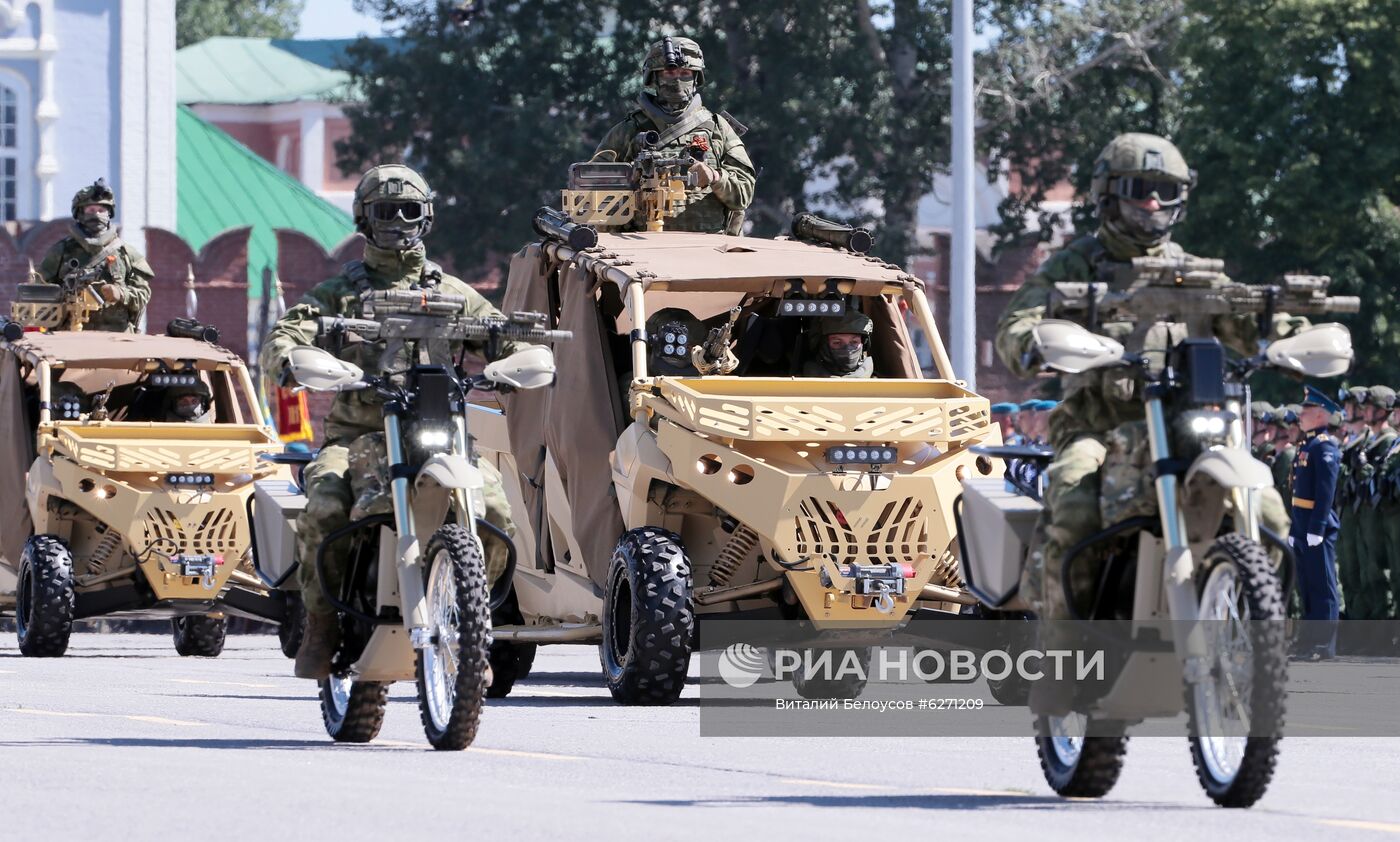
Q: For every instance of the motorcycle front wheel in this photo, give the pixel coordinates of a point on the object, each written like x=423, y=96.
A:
x=1236, y=708
x=452, y=669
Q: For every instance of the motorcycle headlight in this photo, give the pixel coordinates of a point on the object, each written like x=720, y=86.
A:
x=434, y=438
x=1209, y=425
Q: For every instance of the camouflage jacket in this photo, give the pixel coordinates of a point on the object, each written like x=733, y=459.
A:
x=127, y=270
x=715, y=209
x=1282, y=467
x=1368, y=474
x=1102, y=399
x=357, y=413
x=1388, y=473
x=1353, y=453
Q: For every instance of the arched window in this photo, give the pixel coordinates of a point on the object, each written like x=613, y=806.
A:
x=9, y=153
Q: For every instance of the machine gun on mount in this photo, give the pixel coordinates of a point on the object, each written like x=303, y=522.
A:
x=615, y=195
x=67, y=305
x=1189, y=290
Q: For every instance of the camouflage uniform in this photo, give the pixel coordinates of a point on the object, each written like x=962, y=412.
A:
x=1101, y=409
x=331, y=486
x=718, y=208
x=1371, y=591
x=1347, y=499
x=123, y=267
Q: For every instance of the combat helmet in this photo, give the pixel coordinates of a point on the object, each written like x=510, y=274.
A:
x=393, y=207
x=199, y=388
x=96, y=193
x=673, y=51
x=851, y=321
x=1137, y=165
x=1382, y=397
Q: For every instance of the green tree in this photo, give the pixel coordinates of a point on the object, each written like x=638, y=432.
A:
x=197, y=20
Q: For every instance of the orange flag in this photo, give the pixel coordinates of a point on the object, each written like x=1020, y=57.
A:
x=291, y=415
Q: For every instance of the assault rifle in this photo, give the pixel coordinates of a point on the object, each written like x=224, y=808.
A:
x=713, y=356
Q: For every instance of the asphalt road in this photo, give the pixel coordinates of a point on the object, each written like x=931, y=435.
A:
x=123, y=739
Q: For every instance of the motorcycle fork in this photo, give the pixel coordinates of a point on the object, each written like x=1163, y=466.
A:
x=1178, y=566
x=406, y=549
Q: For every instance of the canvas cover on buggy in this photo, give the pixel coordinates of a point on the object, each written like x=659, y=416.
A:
x=79, y=350
x=577, y=422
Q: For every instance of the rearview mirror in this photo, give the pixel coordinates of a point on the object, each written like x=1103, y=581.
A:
x=1071, y=348
x=1318, y=351
x=527, y=369
x=321, y=371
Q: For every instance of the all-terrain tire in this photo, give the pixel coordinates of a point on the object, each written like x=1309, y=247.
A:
x=510, y=662
x=357, y=718
x=1096, y=768
x=455, y=545
x=846, y=686
x=293, y=627
x=1262, y=594
x=198, y=635
x=648, y=618
x=44, y=599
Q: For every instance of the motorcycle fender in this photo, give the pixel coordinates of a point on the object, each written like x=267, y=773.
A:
x=1230, y=468
x=449, y=471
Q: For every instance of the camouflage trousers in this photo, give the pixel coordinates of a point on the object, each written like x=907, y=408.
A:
x=345, y=483
x=1361, y=570
x=1097, y=479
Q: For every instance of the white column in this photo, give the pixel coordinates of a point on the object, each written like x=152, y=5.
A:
x=161, y=198
x=962, y=285
x=131, y=119
x=313, y=147
x=46, y=114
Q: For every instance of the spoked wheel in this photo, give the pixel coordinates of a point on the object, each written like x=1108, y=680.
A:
x=199, y=635
x=44, y=599
x=353, y=710
x=1236, y=708
x=452, y=669
x=1081, y=757
x=648, y=618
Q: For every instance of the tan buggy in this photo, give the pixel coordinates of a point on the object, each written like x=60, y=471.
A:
x=111, y=511
x=645, y=493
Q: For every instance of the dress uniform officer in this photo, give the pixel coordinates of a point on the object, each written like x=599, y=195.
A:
x=1313, y=534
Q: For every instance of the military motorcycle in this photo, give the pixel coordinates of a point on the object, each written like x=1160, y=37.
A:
x=414, y=603
x=1188, y=593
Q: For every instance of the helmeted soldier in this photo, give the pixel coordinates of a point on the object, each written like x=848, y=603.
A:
x=1365, y=591
x=1140, y=188
x=1285, y=443
x=673, y=74
x=842, y=347
x=1262, y=440
x=1354, y=440
x=393, y=209
x=94, y=253
x=189, y=404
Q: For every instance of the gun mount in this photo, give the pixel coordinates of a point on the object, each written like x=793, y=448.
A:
x=66, y=306
x=649, y=190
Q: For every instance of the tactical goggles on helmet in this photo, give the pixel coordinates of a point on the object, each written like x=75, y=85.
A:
x=406, y=211
x=1140, y=189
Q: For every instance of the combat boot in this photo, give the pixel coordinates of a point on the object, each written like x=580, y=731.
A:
x=318, y=646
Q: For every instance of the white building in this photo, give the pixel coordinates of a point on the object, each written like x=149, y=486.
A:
x=87, y=90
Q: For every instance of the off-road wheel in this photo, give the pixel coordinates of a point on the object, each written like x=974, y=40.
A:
x=1080, y=757
x=353, y=711
x=44, y=598
x=510, y=662
x=293, y=627
x=1236, y=711
x=199, y=635
x=648, y=618
x=452, y=668
x=846, y=683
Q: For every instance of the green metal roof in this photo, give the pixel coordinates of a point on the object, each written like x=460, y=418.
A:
x=223, y=184
x=328, y=52
x=256, y=71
